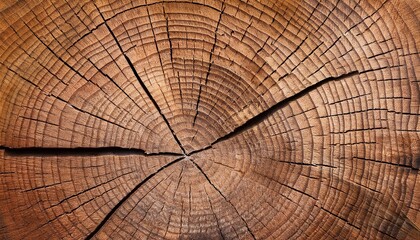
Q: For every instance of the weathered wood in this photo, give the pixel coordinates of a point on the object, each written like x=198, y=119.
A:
x=209, y=119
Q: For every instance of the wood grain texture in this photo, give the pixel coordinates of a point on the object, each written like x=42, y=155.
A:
x=208, y=119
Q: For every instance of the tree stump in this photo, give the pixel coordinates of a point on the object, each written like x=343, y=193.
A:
x=208, y=119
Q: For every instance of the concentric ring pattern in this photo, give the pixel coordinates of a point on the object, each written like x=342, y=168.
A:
x=209, y=119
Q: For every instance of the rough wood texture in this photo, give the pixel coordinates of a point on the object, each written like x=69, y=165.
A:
x=209, y=120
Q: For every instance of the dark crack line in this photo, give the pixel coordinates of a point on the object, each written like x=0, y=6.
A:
x=46, y=186
x=114, y=82
x=77, y=194
x=286, y=185
x=65, y=102
x=200, y=150
x=339, y=217
x=71, y=68
x=210, y=63
x=270, y=111
x=413, y=167
x=224, y=197
x=214, y=214
x=126, y=197
x=137, y=202
x=158, y=51
x=89, y=31
x=303, y=163
x=311, y=33
x=155, y=41
x=80, y=151
x=146, y=90
x=169, y=38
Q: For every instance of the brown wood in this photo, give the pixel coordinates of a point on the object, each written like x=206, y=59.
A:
x=209, y=119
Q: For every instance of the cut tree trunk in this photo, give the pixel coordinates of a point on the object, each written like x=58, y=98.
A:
x=209, y=119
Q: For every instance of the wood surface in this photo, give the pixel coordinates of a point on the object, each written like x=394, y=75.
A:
x=208, y=119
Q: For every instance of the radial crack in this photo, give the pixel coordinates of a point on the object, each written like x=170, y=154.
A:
x=126, y=197
x=210, y=63
x=224, y=197
x=146, y=90
x=339, y=217
x=70, y=67
x=214, y=214
x=81, y=151
x=267, y=113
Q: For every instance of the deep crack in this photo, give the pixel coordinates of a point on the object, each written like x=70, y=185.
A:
x=126, y=197
x=81, y=151
x=136, y=74
x=250, y=123
x=224, y=197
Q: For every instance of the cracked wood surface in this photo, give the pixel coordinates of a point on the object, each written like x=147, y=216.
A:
x=209, y=119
